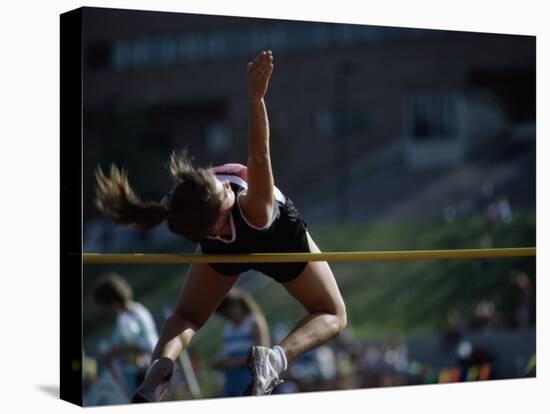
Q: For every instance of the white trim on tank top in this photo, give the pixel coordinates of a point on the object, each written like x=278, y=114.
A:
x=239, y=181
x=233, y=233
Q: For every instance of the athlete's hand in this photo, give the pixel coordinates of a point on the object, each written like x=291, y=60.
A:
x=259, y=72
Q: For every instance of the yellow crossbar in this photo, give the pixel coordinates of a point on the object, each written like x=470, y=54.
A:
x=174, y=258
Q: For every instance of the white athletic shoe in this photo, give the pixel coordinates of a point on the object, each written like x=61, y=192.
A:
x=264, y=376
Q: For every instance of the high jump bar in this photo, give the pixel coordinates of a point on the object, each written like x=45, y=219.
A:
x=176, y=258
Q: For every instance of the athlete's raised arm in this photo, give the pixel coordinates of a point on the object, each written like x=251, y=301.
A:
x=257, y=203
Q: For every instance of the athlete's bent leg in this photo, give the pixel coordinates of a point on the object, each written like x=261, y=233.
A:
x=202, y=292
x=316, y=289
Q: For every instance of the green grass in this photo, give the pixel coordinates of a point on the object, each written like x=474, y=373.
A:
x=414, y=296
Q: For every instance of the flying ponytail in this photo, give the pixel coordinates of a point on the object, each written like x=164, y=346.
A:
x=116, y=200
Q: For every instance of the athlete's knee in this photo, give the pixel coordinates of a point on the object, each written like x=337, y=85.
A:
x=337, y=321
x=342, y=320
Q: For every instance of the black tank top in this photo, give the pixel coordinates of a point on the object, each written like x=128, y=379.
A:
x=284, y=233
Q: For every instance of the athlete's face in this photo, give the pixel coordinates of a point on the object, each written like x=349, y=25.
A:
x=113, y=309
x=227, y=198
x=233, y=312
x=226, y=195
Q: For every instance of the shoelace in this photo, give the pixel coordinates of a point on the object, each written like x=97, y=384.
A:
x=265, y=376
x=271, y=375
x=272, y=384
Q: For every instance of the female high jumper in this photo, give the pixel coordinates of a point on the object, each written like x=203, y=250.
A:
x=232, y=209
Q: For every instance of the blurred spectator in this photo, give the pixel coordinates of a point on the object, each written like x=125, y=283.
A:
x=305, y=371
x=396, y=359
x=103, y=390
x=372, y=365
x=245, y=326
x=385, y=364
x=289, y=386
x=89, y=372
x=464, y=353
x=454, y=328
x=347, y=361
x=485, y=315
x=523, y=299
x=499, y=212
x=486, y=242
x=504, y=210
x=127, y=351
x=316, y=370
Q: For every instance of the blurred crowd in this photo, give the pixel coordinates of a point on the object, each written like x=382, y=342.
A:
x=346, y=362
x=123, y=356
x=353, y=363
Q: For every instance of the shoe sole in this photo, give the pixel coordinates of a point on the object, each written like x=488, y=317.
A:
x=250, y=361
x=252, y=389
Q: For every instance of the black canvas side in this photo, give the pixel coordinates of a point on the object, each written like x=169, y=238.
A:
x=71, y=206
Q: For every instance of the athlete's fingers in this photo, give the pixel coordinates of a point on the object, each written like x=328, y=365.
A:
x=267, y=70
x=260, y=70
x=251, y=67
x=259, y=57
x=259, y=74
x=255, y=73
x=269, y=58
x=258, y=64
x=267, y=65
x=262, y=60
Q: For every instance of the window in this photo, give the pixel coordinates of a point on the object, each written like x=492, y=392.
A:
x=432, y=116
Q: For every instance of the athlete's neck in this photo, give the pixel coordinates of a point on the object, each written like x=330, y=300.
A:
x=225, y=229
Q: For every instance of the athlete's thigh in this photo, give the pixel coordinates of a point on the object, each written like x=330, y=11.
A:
x=203, y=290
x=315, y=287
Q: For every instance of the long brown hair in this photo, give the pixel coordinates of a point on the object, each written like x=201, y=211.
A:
x=191, y=208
